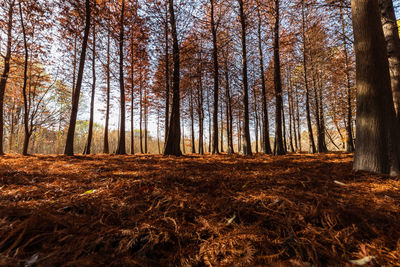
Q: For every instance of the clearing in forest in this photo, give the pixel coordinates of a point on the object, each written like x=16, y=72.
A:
x=195, y=210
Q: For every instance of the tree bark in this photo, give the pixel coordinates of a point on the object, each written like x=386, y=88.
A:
x=28, y=131
x=167, y=88
x=280, y=150
x=349, y=130
x=377, y=143
x=106, y=148
x=216, y=82
x=172, y=146
x=69, y=145
x=266, y=145
x=246, y=126
x=308, y=115
x=90, y=134
x=391, y=34
x=121, y=149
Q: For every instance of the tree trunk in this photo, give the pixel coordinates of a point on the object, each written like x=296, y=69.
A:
x=200, y=111
x=28, y=131
x=377, y=145
x=106, y=148
x=308, y=115
x=141, y=117
x=90, y=134
x=216, y=81
x=349, y=130
x=191, y=106
x=69, y=145
x=167, y=88
x=228, y=103
x=266, y=145
x=121, y=149
x=246, y=130
x=172, y=146
x=132, y=98
x=391, y=34
x=280, y=150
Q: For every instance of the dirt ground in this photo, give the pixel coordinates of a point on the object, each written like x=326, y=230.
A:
x=147, y=210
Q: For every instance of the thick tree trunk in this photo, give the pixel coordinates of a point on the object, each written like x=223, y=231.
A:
x=216, y=81
x=69, y=145
x=280, y=150
x=391, y=33
x=106, y=148
x=246, y=126
x=90, y=134
x=172, y=146
x=377, y=143
x=121, y=149
x=266, y=145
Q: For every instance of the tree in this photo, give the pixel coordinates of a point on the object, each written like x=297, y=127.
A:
x=172, y=145
x=6, y=70
x=279, y=148
x=216, y=80
x=391, y=33
x=69, y=146
x=121, y=149
x=246, y=130
x=377, y=142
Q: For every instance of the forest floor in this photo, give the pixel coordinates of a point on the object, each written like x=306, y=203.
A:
x=150, y=210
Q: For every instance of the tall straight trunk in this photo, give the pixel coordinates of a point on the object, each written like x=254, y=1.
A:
x=200, y=109
x=239, y=127
x=192, y=121
x=90, y=134
x=284, y=129
x=174, y=133
x=377, y=145
x=132, y=97
x=228, y=104
x=308, y=115
x=183, y=136
x=69, y=145
x=6, y=70
x=298, y=121
x=106, y=148
x=158, y=131
x=11, y=136
x=318, y=121
x=145, y=123
x=266, y=145
x=280, y=150
x=290, y=112
x=222, y=129
x=216, y=81
x=121, y=149
x=167, y=88
x=349, y=130
x=209, y=122
x=141, y=117
x=391, y=34
x=28, y=131
x=246, y=126
x=321, y=115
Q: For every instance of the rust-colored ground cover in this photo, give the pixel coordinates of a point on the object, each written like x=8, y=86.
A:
x=212, y=210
